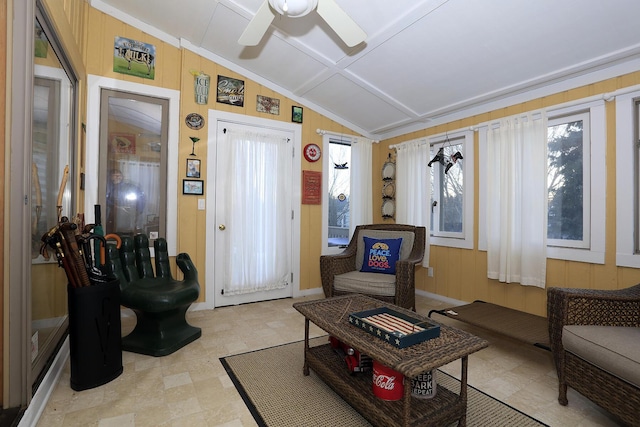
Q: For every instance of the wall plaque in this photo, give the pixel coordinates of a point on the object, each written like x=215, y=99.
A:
x=311, y=188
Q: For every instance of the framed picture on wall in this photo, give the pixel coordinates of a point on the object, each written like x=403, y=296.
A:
x=193, y=168
x=296, y=114
x=193, y=186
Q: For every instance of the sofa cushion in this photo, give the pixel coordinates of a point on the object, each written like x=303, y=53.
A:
x=405, y=249
x=380, y=255
x=365, y=283
x=614, y=349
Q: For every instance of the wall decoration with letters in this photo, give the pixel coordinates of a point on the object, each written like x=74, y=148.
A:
x=230, y=91
x=134, y=58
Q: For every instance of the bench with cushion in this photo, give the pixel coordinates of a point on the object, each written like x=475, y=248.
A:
x=595, y=340
x=341, y=273
x=159, y=301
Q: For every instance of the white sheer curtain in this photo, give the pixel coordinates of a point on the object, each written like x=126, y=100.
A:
x=259, y=178
x=413, y=187
x=361, y=200
x=145, y=175
x=517, y=200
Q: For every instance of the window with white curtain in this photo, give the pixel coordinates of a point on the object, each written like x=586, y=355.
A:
x=451, y=204
x=576, y=183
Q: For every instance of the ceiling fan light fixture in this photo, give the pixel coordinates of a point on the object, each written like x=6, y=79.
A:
x=293, y=8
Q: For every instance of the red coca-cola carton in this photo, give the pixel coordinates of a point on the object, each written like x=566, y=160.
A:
x=387, y=383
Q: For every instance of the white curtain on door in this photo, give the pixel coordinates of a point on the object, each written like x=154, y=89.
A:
x=145, y=175
x=413, y=187
x=258, y=213
x=361, y=199
x=517, y=200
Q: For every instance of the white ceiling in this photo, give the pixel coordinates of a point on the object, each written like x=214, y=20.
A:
x=424, y=61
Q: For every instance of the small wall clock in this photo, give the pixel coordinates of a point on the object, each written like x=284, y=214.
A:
x=312, y=152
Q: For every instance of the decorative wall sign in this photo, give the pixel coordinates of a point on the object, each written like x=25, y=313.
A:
x=194, y=121
x=124, y=143
x=193, y=139
x=230, y=91
x=268, y=105
x=296, y=114
x=201, y=83
x=193, y=168
x=134, y=58
x=312, y=152
x=192, y=186
x=311, y=188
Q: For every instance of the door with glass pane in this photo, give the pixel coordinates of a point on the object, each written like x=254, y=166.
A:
x=253, y=214
x=51, y=151
x=133, y=157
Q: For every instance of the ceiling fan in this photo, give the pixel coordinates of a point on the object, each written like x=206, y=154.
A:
x=338, y=20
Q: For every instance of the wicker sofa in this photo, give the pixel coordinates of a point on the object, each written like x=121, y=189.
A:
x=595, y=340
x=341, y=273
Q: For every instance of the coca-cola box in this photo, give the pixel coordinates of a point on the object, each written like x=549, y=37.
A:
x=398, y=329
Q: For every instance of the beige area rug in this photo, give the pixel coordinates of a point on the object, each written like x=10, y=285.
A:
x=278, y=395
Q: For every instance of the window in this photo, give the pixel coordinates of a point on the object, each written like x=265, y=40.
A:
x=451, y=201
x=576, y=183
x=568, y=171
x=337, y=163
x=627, y=179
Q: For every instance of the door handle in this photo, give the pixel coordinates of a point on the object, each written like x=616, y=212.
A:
x=221, y=227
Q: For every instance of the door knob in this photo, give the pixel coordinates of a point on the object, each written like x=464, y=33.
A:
x=221, y=227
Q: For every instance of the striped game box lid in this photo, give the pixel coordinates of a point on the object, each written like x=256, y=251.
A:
x=398, y=329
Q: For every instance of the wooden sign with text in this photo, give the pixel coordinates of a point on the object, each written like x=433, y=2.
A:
x=311, y=188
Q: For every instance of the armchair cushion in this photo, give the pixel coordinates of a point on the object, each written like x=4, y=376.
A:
x=380, y=255
x=615, y=349
x=366, y=283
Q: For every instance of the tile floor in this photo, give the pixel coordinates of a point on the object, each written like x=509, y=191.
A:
x=191, y=388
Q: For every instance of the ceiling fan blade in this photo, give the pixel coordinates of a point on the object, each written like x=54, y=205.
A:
x=345, y=27
x=258, y=26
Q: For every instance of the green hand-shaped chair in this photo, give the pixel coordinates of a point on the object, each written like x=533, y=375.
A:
x=159, y=301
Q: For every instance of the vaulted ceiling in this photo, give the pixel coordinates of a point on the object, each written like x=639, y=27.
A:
x=423, y=62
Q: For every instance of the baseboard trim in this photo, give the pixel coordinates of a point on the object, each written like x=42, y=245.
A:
x=448, y=300
x=41, y=397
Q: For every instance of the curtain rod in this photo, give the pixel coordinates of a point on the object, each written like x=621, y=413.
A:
x=607, y=97
x=341, y=135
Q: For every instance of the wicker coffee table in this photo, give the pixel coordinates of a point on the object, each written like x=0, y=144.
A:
x=446, y=407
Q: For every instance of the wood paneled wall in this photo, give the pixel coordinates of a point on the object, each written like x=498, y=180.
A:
x=462, y=274
x=458, y=273
x=174, y=68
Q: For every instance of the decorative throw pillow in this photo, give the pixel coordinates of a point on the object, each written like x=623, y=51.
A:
x=380, y=255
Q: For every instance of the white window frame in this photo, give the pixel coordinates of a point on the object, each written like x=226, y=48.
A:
x=464, y=239
x=626, y=181
x=326, y=167
x=583, y=116
x=597, y=204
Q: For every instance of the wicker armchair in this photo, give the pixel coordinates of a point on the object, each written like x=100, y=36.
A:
x=597, y=308
x=402, y=286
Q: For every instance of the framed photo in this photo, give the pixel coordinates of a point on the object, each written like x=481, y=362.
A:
x=193, y=186
x=264, y=104
x=193, y=168
x=296, y=114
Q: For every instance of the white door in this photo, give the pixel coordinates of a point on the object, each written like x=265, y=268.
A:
x=253, y=214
